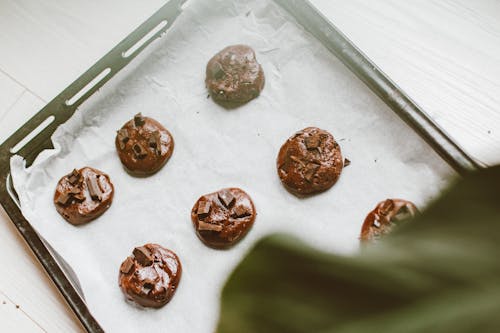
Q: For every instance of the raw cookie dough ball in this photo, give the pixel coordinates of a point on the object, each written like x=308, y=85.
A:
x=222, y=218
x=385, y=217
x=83, y=195
x=150, y=276
x=309, y=162
x=233, y=76
x=143, y=145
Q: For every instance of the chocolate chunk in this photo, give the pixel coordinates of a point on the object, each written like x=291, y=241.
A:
x=226, y=197
x=147, y=287
x=311, y=169
x=139, y=151
x=64, y=198
x=386, y=207
x=203, y=209
x=312, y=142
x=347, y=162
x=143, y=256
x=79, y=197
x=127, y=265
x=74, y=177
x=93, y=187
x=75, y=190
x=209, y=226
x=217, y=71
x=241, y=211
x=155, y=141
x=123, y=137
x=139, y=120
x=404, y=213
x=77, y=194
x=296, y=159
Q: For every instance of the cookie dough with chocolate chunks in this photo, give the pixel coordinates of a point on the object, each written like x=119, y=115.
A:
x=385, y=217
x=222, y=218
x=233, y=76
x=309, y=162
x=143, y=145
x=83, y=195
x=150, y=276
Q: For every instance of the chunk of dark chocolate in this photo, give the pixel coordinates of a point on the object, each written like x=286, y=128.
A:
x=147, y=287
x=209, y=226
x=79, y=197
x=241, y=211
x=74, y=177
x=311, y=169
x=312, y=142
x=64, y=198
x=404, y=213
x=123, y=137
x=155, y=141
x=296, y=159
x=386, y=207
x=139, y=120
x=217, y=71
x=139, y=151
x=226, y=198
x=94, y=189
x=203, y=209
x=77, y=194
x=347, y=162
x=143, y=256
x=127, y=265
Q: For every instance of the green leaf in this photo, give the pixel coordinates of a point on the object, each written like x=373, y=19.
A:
x=439, y=273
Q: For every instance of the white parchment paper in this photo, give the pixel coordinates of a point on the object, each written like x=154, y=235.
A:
x=216, y=148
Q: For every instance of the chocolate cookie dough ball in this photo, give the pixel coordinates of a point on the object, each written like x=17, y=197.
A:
x=83, y=195
x=150, y=276
x=143, y=145
x=385, y=217
x=234, y=76
x=309, y=162
x=222, y=218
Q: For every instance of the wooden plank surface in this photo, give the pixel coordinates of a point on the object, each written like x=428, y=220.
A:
x=444, y=53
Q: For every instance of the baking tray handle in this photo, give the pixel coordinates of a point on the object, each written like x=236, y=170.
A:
x=35, y=136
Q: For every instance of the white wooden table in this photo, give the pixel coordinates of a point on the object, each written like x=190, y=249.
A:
x=444, y=53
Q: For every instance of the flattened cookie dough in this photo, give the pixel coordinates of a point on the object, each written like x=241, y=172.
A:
x=150, y=276
x=83, y=195
x=143, y=145
x=385, y=217
x=233, y=76
x=222, y=218
x=309, y=162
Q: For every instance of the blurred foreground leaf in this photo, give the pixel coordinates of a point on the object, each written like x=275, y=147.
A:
x=438, y=274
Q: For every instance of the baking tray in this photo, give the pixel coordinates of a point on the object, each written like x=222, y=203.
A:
x=65, y=104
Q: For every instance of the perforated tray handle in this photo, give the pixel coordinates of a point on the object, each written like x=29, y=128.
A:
x=59, y=110
x=65, y=104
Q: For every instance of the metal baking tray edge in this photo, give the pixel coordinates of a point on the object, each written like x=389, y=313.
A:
x=60, y=111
